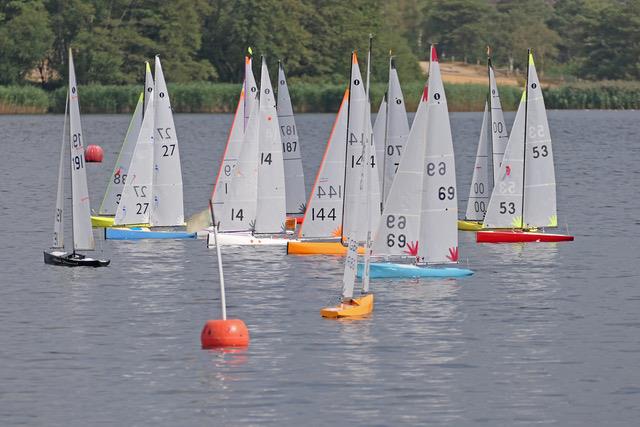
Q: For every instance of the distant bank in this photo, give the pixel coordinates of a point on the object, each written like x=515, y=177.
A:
x=307, y=97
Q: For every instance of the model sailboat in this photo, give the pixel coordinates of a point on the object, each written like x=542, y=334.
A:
x=153, y=189
x=254, y=212
x=337, y=184
x=524, y=195
x=482, y=181
x=81, y=212
x=420, y=215
x=291, y=150
x=118, y=177
x=362, y=305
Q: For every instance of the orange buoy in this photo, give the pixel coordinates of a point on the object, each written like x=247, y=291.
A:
x=93, y=154
x=224, y=333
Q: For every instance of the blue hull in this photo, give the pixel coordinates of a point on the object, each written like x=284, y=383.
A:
x=383, y=270
x=137, y=233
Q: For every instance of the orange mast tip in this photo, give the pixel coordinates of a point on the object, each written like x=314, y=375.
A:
x=247, y=60
x=354, y=57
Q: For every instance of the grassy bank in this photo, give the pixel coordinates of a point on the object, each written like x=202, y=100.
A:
x=306, y=97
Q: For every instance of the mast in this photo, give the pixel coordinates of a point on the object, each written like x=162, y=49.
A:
x=367, y=171
x=346, y=148
x=524, y=151
x=383, y=197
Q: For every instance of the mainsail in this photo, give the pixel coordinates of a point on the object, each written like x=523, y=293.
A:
x=291, y=150
x=439, y=212
x=271, y=209
x=81, y=209
x=396, y=130
x=167, y=203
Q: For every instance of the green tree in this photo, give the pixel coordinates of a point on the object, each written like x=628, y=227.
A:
x=25, y=39
x=612, y=43
x=460, y=27
x=522, y=24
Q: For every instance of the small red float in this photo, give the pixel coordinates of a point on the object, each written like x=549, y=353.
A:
x=93, y=154
x=224, y=333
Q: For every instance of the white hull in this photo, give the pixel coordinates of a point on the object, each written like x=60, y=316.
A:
x=245, y=239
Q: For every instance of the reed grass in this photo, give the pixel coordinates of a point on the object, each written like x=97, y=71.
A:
x=202, y=97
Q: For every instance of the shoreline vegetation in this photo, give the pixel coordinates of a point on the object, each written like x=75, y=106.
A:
x=312, y=97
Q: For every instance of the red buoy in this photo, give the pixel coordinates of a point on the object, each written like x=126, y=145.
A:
x=224, y=333
x=93, y=154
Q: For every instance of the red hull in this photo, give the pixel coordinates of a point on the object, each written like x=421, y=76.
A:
x=515, y=236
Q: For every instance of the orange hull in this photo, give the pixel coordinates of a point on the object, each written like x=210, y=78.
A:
x=357, y=307
x=318, y=248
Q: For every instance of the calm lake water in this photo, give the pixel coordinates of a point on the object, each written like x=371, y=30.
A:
x=541, y=334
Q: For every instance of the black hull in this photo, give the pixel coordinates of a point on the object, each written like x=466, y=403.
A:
x=73, y=260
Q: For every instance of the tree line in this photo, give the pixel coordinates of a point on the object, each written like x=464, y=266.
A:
x=205, y=40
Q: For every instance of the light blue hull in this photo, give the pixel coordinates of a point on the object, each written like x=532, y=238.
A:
x=383, y=270
x=138, y=233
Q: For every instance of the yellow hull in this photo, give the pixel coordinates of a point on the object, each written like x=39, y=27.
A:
x=469, y=225
x=107, y=221
x=318, y=248
x=357, y=307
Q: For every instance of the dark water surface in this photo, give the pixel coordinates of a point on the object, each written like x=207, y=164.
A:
x=541, y=334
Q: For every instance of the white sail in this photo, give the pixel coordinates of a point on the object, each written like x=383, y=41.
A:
x=58, y=220
x=81, y=209
x=399, y=229
x=480, y=182
x=499, y=133
x=167, y=208
x=439, y=213
x=323, y=216
x=118, y=177
x=291, y=150
x=271, y=210
x=505, y=205
x=379, y=134
x=397, y=130
x=234, y=142
x=356, y=128
x=539, y=177
x=239, y=208
x=136, y=201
